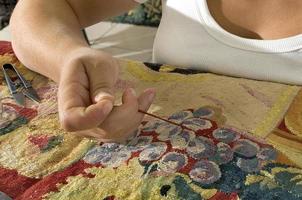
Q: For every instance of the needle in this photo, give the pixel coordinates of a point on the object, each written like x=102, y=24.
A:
x=160, y=118
x=157, y=117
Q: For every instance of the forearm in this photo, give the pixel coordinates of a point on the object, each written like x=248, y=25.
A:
x=45, y=33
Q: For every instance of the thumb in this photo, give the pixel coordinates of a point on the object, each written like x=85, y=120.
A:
x=102, y=87
x=103, y=94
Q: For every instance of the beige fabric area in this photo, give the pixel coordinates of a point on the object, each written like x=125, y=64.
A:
x=249, y=105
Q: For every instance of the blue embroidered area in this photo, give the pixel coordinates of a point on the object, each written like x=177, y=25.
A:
x=13, y=125
x=286, y=189
x=232, y=179
x=270, y=166
x=262, y=192
x=222, y=161
x=149, y=167
x=184, y=191
x=148, y=14
x=4, y=196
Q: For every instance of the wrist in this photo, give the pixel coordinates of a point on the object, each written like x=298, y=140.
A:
x=70, y=59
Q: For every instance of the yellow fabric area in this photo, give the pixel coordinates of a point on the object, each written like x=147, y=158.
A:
x=252, y=106
x=289, y=147
x=125, y=182
x=249, y=105
x=290, y=144
x=268, y=179
x=16, y=152
x=293, y=119
x=273, y=116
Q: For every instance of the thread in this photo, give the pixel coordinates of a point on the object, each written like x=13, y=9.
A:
x=166, y=120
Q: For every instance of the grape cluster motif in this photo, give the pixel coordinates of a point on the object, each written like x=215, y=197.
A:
x=198, y=152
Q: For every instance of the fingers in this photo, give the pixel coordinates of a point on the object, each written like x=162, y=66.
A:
x=101, y=90
x=134, y=103
x=124, y=120
x=83, y=118
x=85, y=92
x=98, y=135
x=142, y=102
x=103, y=94
x=102, y=79
x=75, y=108
x=91, y=133
x=129, y=99
x=117, y=126
x=146, y=98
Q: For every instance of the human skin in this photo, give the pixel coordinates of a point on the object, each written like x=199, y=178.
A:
x=47, y=38
x=258, y=19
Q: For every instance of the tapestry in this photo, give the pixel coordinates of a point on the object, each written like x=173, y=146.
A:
x=6, y=9
x=236, y=139
x=147, y=14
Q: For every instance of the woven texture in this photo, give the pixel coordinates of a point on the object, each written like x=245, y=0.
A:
x=148, y=14
x=245, y=142
x=6, y=8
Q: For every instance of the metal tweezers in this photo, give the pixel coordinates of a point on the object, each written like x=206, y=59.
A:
x=20, y=87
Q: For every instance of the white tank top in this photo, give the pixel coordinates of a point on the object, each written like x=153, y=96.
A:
x=188, y=36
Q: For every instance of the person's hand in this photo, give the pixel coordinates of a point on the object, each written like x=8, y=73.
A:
x=86, y=98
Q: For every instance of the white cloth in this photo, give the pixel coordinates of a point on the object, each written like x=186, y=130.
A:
x=188, y=36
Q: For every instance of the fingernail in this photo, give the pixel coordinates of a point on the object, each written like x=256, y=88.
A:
x=151, y=96
x=101, y=96
x=107, y=107
x=132, y=91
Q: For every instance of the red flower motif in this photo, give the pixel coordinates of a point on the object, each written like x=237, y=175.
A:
x=41, y=141
x=45, y=142
x=6, y=48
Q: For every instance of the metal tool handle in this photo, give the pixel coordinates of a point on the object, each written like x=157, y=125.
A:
x=10, y=83
x=25, y=83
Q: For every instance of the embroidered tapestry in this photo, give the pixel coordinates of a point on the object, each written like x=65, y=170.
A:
x=6, y=8
x=147, y=14
x=243, y=141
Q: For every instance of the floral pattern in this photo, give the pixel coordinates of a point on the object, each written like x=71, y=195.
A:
x=206, y=156
x=44, y=142
x=108, y=155
x=174, y=149
x=173, y=162
x=205, y=172
x=6, y=9
x=148, y=14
